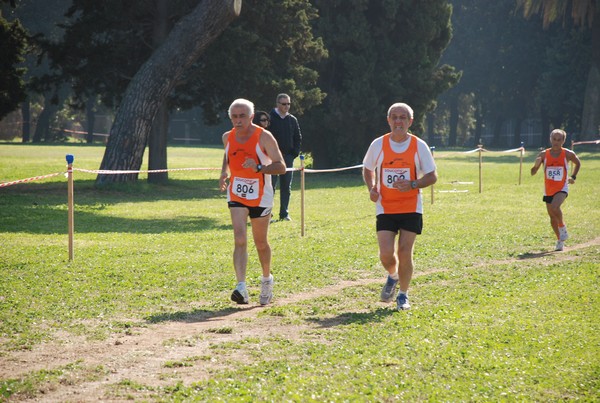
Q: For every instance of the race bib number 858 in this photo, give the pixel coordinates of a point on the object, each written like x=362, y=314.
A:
x=555, y=173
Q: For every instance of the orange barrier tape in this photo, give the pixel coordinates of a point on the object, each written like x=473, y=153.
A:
x=35, y=178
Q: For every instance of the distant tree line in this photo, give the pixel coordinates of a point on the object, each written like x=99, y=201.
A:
x=467, y=67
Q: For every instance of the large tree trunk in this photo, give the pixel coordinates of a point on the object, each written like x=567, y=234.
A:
x=90, y=116
x=42, y=128
x=154, y=81
x=26, y=120
x=590, y=120
x=453, y=121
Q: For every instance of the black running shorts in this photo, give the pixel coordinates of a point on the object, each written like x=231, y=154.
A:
x=254, y=212
x=412, y=222
x=548, y=199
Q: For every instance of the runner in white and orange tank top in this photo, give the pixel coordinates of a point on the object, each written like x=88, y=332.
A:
x=251, y=156
x=396, y=167
x=556, y=181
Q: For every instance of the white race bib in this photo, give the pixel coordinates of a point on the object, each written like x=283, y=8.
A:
x=391, y=175
x=555, y=173
x=245, y=188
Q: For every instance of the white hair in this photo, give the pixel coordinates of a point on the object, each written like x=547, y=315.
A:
x=401, y=105
x=241, y=102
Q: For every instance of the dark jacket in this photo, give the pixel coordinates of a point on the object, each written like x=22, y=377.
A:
x=287, y=133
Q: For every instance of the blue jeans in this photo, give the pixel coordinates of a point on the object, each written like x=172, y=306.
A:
x=286, y=186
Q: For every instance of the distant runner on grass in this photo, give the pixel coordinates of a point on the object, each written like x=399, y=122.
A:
x=251, y=157
x=396, y=167
x=556, y=181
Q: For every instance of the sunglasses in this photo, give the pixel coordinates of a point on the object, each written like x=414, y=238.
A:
x=285, y=104
x=264, y=120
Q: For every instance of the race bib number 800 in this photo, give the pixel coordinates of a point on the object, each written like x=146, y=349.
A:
x=555, y=173
x=391, y=175
x=245, y=188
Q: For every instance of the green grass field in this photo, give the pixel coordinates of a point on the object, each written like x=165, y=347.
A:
x=143, y=310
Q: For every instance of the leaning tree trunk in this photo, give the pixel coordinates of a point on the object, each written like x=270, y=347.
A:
x=157, y=146
x=590, y=127
x=157, y=142
x=155, y=80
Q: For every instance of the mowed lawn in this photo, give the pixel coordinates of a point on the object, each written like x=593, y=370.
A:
x=496, y=314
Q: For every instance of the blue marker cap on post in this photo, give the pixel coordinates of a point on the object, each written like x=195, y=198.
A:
x=70, y=158
x=302, y=156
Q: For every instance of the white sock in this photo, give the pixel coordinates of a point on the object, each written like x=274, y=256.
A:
x=395, y=276
x=241, y=285
x=267, y=278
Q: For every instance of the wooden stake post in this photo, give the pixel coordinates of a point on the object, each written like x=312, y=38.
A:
x=302, y=195
x=70, y=158
x=432, y=150
x=480, y=150
x=521, y=151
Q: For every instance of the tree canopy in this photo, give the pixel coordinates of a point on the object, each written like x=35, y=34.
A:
x=584, y=13
x=13, y=45
x=381, y=52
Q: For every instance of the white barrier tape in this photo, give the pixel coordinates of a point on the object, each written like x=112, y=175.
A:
x=587, y=142
x=332, y=170
x=474, y=151
x=514, y=149
x=35, y=178
x=80, y=132
x=109, y=172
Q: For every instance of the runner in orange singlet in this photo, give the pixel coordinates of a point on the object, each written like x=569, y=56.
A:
x=395, y=169
x=556, y=181
x=251, y=156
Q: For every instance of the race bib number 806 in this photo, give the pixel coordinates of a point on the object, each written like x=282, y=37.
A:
x=245, y=188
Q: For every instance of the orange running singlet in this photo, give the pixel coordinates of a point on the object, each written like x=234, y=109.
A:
x=245, y=185
x=398, y=166
x=555, y=173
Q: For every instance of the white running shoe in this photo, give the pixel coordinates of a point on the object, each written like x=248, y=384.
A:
x=559, y=245
x=563, y=234
x=266, y=290
x=402, y=302
x=240, y=295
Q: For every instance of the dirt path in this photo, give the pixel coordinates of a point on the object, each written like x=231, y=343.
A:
x=141, y=356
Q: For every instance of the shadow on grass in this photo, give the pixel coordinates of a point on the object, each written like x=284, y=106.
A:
x=42, y=208
x=84, y=192
x=197, y=315
x=535, y=255
x=35, y=219
x=360, y=318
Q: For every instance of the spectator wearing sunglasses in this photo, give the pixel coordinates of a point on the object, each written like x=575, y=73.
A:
x=286, y=130
x=262, y=119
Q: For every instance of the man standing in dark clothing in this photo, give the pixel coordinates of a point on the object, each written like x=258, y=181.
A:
x=286, y=130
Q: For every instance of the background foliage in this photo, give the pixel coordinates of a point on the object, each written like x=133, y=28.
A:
x=342, y=64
